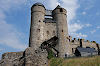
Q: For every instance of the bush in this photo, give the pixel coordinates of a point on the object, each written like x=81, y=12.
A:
x=50, y=54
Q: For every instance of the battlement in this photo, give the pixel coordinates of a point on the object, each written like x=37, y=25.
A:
x=12, y=55
x=83, y=40
x=49, y=33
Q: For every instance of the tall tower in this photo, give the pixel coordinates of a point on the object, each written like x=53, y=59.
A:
x=59, y=15
x=37, y=25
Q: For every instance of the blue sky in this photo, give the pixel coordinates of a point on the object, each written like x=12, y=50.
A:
x=83, y=21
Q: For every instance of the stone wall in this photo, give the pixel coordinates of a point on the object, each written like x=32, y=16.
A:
x=37, y=58
x=37, y=26
x=59, y=15
x=50, y=30
x=12, y=55
x=40, y=31
x=85, y=44
x=11, y=58
x=74, y=44
x=26, y=58
x=89, y=44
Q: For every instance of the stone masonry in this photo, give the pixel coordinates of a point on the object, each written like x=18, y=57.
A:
x=48, y=30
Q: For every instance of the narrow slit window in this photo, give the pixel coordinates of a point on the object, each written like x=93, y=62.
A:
x=62, y=30
x=47, y=32
x=72, y=50
x=69, y=40
x=53, y=32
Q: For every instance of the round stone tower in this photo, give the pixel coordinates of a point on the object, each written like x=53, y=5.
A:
x=37, y=25
x=59, y=15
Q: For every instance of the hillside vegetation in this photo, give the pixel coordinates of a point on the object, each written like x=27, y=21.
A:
x=82, y=61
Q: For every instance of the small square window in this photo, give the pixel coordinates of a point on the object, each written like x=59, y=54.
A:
x=61, y=10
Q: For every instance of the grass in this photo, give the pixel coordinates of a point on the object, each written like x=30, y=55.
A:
x=83, y=61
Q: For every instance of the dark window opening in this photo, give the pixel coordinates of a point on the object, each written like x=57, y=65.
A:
x=69, y=40
x=35, y=51
x=42, y=49
x=62, y=30
x=38, y=30
x=47, y=32
x=65, y=55
x=72, y=50
x=61, y=10
x=39, y=20
x=80, y=42
x=53, y=32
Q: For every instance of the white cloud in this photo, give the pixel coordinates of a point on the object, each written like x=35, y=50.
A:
x=74, y=27
x=58, y=3
x=98, y=13
x=1, y=50
x=78, y=21
x=8, y=4
x=71, y=6
x=78, y=35
x=2, y=15
x=89, y=7
x=98, y=27
x=93, y=31
x=84, y=13
x=9, y=36
x=88, y=25
x=88, y=4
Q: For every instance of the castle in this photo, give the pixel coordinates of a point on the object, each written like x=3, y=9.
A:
x=49, y=32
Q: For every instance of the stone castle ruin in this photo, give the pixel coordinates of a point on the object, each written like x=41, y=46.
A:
x=49, y=32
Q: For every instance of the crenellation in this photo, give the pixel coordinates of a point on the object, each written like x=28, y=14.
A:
x=75, y=39
x=87, y=40
x=70, y=38
x=78, y=39
x=49, y=32
x=12, y=55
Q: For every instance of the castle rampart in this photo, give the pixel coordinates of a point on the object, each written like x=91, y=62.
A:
x=49, y=32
